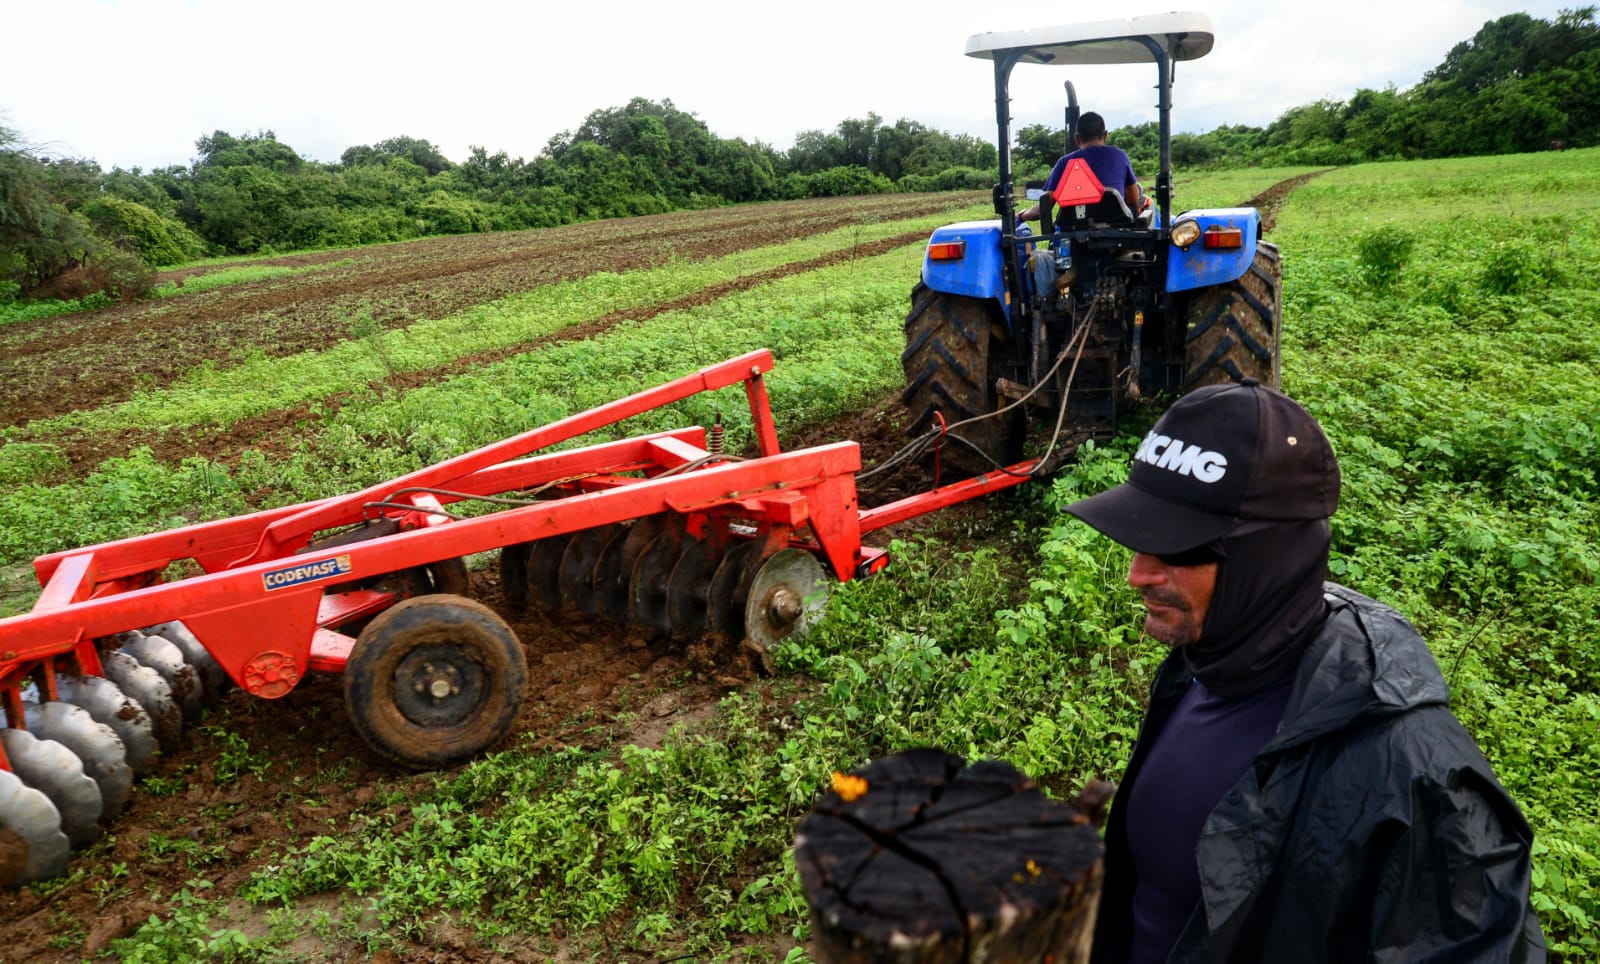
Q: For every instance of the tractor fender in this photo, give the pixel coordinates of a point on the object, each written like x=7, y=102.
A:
x=1202, y=267
x=979, y=272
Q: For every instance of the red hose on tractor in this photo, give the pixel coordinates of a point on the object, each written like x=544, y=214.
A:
x=661, y=530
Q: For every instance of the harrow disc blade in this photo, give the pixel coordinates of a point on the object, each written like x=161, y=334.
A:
x=730, y=586
x=576, y=575
x=687, y=589
x=610, y=579
x=514, y=575
x=103, y=756
x=214, y=679
x=167, y=659
x=786, y=597
x=145, y=686
x=614, y=569
x=107, y=704
x=544, y=572
x=56, y=771
x=648, y=585
x=32, y=846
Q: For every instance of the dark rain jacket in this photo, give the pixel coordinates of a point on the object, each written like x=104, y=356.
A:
x=1369, y=828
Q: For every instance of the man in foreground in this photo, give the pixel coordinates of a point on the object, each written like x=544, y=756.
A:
x=1300, y=790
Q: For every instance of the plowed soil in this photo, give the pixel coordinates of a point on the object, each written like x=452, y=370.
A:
x=64, y=363
x=304, y=769
x=191, y=816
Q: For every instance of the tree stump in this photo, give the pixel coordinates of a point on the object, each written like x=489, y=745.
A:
x=919, y=858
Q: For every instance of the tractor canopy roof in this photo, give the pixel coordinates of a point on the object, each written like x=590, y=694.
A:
x=1184, y=35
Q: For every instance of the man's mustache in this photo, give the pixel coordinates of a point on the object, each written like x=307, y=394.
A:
x=1164, y=597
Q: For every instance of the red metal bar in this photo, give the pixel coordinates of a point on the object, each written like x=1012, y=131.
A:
x=295, y=529
x=223, y=540
x=761, y=408
x=71, y=582
x=945, y=496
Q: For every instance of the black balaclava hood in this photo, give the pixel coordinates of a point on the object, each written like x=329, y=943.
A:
x=1266, y=608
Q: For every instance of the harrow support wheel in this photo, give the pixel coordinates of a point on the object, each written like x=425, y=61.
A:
x=32, y=846
x=434, y=681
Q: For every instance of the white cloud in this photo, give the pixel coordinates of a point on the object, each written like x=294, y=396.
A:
x=136, y=82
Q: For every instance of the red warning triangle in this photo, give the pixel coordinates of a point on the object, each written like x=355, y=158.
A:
x=1078, y=185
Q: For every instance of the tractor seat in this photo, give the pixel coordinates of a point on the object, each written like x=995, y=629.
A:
x=1084, y=202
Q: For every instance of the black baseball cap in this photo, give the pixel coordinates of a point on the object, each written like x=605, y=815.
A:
x=1221, y=457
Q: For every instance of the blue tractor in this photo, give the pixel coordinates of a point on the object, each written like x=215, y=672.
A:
x=1101, y=308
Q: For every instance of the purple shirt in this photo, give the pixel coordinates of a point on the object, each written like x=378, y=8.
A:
x=1108, y=163
x=1202, y=750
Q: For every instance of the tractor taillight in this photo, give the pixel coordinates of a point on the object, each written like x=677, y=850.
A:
x=947, y=250
x=1224, y=238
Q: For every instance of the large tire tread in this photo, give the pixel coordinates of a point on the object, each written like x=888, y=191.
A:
x=1234, y=329
x=952, y=361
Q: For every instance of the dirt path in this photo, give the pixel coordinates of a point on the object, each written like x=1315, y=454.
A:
x=1271, y=201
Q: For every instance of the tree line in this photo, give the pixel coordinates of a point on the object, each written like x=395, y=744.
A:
x=1519, y=84
x=67, y=226
x=70, y=229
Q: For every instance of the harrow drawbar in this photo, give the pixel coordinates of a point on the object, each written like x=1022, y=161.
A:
x=663, y=532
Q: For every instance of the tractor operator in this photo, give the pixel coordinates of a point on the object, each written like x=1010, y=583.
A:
x=1300, y=790
x=1110, y=165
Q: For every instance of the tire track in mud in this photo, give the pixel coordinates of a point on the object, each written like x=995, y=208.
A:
x=280, y=432
x=1271, y=201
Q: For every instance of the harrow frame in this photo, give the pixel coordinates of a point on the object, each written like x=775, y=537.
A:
x=271, y=600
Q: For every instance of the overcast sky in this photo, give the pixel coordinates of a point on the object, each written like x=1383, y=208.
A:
x=136, y=82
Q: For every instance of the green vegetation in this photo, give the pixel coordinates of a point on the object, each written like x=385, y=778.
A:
x=1451, y=364
x=1436, y=323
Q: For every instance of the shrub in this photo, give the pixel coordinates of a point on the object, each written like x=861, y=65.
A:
x=1383, y=252
x=159, y=240
x=836, y=182
x=1515, y=266
x=949, y=179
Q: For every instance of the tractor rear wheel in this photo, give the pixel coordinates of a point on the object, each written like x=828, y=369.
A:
x=1234, y=327
x=954, y=355
x=435, y=680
